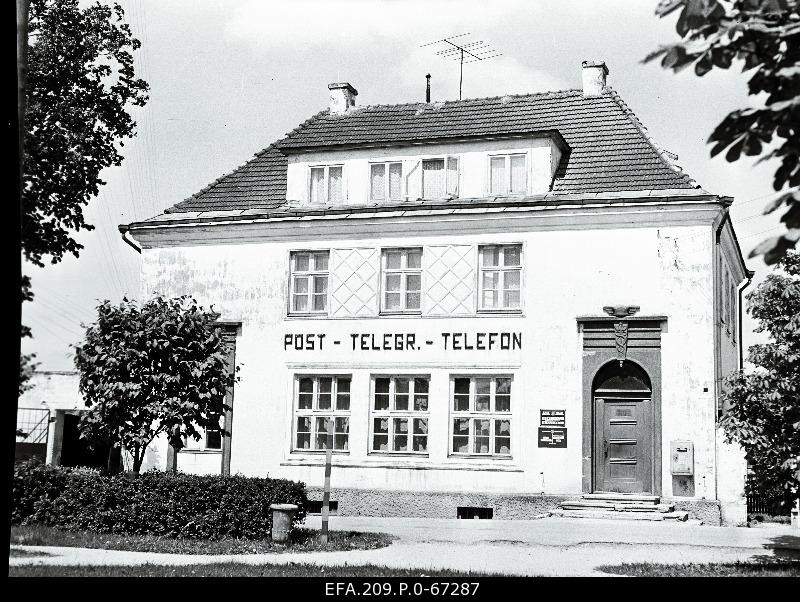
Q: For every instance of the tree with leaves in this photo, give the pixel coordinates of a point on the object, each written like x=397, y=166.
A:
x=763, y=413
x=160, y=368
x=79, y=87
x=764, y=37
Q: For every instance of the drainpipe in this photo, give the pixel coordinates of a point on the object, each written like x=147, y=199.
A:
x=717, y=343
x=749, y=274
x=124, y=230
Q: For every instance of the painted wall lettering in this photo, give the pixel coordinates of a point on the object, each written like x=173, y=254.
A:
x=482, y=340
x=407, y=341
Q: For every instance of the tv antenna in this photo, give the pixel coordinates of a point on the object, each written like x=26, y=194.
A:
x=463, y=52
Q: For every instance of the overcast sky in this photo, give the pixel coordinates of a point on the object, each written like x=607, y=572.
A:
x=229, y=77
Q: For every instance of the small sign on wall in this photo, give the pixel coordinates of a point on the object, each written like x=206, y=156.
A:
x=553, y=437
x=553, y=417
x=553, y=429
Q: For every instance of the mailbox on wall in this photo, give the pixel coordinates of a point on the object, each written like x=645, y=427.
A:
x=682, y=458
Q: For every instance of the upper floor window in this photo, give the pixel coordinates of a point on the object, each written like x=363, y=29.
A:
x=507, y=174
x=309, y=282
x=385, y=181
x=402, y=280
x=326, y=185
x=481, y=415
x=439, y=178
x=322, y=408
x=500, y=277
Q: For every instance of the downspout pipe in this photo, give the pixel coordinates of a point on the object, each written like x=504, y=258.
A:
x=125, y=230
x=749, y=274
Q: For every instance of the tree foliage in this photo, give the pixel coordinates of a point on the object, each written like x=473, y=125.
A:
x=158, y=368
x=764, y=405
x=762, y=36
x=80, y=83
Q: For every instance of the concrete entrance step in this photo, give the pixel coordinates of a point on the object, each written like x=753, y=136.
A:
x=647, y=516
x=622, y=497
x=612, y=506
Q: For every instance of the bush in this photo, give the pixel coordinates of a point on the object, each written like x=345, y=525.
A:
x=155, y=503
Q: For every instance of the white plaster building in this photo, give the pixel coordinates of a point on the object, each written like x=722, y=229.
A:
x=497, y=303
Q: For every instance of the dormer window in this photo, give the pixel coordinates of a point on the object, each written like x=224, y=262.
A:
x=440, y=178
x=508, y=174
x=326, y=185
x=385, y=181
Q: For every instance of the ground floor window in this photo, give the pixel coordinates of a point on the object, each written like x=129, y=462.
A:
x=481, y=415
x=399, y=421
x=322, y=403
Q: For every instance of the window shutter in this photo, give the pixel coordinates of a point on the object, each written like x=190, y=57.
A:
x=414, y=180
x=452, y=176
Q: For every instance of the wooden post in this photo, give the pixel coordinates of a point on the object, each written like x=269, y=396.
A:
x=326, y=495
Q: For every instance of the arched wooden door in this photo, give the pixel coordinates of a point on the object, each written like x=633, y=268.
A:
x=623, y=429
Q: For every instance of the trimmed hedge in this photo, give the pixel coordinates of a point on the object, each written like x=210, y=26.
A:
x=156, y=503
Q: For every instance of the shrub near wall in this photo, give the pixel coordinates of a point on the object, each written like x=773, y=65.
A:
x=155, y=503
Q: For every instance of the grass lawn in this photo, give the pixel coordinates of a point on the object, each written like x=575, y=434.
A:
x=304, y=540
x=765, y=568
x=228, y=570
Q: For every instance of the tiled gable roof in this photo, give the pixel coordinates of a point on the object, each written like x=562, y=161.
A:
x=609, y=148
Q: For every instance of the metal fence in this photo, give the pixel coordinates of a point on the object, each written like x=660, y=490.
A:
x=765, y=505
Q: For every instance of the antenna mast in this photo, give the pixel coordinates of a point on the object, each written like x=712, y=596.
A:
x=471, y=51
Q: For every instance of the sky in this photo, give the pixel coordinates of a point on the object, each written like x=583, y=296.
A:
x=228, y=77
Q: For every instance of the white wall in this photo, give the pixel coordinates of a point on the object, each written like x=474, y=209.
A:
x=568, y=273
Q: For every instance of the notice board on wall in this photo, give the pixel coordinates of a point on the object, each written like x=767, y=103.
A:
x=553, y=417
x=553, y=428
x=553, y=437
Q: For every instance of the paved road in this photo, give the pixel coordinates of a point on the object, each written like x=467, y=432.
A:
x=550, y=546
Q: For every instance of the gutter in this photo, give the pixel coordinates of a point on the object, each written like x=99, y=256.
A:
x=542, y=202
x=125, y=230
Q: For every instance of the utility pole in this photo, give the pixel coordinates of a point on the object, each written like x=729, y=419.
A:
x=326, y=495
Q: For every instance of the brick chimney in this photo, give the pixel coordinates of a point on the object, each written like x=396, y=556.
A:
x=342, y=97
x=594, y=77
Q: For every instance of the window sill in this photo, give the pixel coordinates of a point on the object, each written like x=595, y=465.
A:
x=311, y=314
x=320, y=452
x=500, y=311
x=400, y=454
x=407, y=464
x=200, y=451
x=416, y=312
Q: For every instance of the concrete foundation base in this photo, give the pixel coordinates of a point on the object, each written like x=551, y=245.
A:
x=443, y=504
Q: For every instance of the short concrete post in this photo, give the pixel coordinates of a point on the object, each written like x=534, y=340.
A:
x=282, y=515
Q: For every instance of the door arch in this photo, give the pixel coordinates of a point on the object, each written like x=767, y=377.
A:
x=623, y=422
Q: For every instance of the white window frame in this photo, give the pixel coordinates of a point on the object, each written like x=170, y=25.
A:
x=403, y=271
x=312, y=275
x=327, y=180
x=473, y=414
x=316, y=412
x=386, y=186
x=392, y=413
x=447, y=183
x=507, y=157
x=502, y=270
